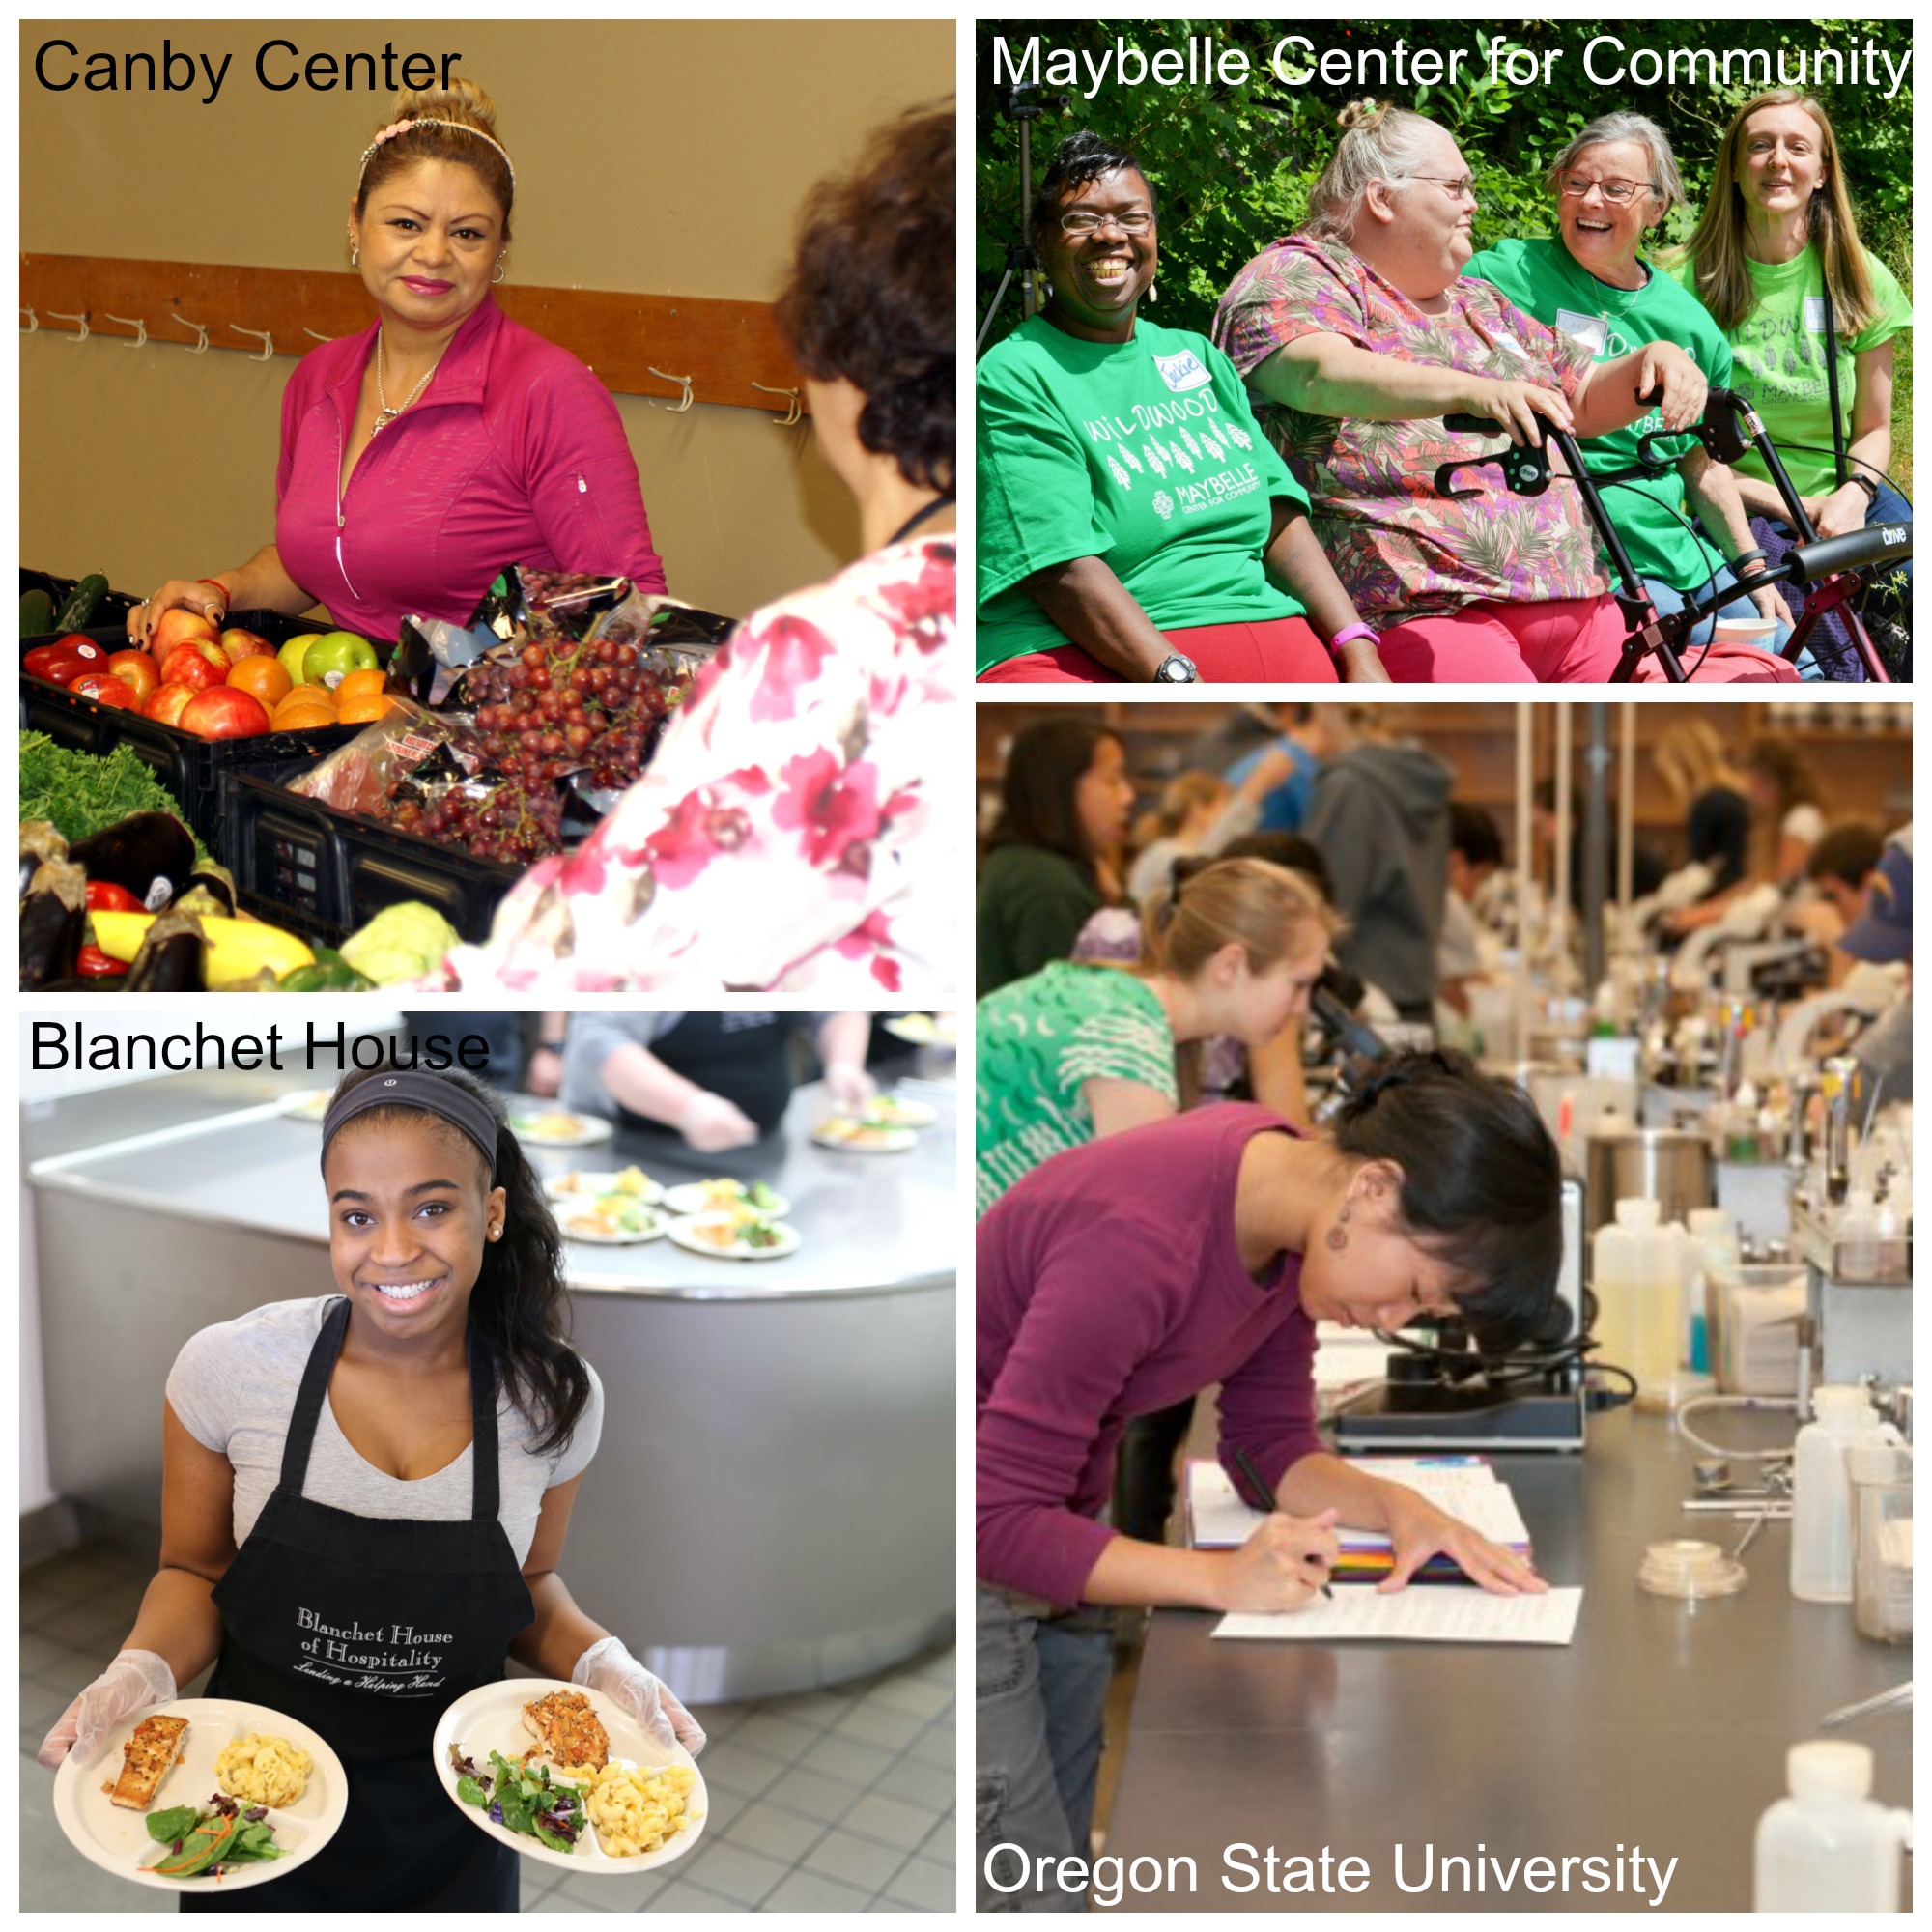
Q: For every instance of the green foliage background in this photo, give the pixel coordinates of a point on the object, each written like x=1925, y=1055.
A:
x=1233, y=165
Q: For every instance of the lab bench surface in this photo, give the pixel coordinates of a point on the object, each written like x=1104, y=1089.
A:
x=1662, y=1728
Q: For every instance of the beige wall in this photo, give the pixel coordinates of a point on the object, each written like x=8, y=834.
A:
x=665, y=158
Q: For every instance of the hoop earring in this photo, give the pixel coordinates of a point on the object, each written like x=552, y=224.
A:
x=499, y=275
x=356, y=255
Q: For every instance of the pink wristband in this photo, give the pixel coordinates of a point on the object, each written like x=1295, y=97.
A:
x=1348, y=636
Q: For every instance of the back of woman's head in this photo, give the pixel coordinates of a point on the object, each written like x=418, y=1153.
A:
x=1481, y=1182
x=1379, y=143
x=870, y=294
x=445, y=113
x=1182, y=797
x=1719, y=265
x=1780, y=765
x=1038, y=802
x=1689, y=757
x=1268, y=912
x=521, y=1301
x=1288, y=850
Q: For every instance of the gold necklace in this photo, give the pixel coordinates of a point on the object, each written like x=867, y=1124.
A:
x=384, y=414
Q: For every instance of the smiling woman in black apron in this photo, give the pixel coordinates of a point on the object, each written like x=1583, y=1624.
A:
x=718, y=1080
x=424, y=1433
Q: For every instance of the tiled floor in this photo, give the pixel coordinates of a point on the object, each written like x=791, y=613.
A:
x=832, y=1801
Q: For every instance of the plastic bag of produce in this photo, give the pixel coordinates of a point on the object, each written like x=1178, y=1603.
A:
x=360, y=774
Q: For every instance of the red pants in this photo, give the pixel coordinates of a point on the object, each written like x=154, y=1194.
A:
x=1283, y=650
x=1576, y=640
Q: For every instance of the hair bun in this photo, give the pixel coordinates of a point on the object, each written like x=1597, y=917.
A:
x=1364, y=115
x=462, y=101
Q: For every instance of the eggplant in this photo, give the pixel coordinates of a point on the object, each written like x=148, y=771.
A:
x=53, y=918
x=150, y=853
x=40, y=840
x=211, y=891
x=170, y=959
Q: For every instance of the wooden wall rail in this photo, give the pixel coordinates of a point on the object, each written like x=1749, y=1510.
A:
x=725, y=347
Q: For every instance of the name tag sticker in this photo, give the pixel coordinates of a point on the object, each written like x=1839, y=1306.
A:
x=1814, y=315
x=1182, y=372
x=1591, y=331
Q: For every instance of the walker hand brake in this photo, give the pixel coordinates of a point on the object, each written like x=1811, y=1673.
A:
x=1526, y=471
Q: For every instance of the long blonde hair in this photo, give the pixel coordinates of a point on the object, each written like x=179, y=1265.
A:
x=1716, y=247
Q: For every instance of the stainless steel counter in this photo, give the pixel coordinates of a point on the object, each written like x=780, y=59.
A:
x=1662, y=1726
x=772, y=1503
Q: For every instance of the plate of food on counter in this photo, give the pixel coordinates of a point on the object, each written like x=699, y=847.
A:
x=924, y=1028
x=569, y=1777
x=708, y=1197
x=852, y=1133
x=736, y=1234
x=895, y=1110
x=204, y=1792
x=618, y=1209
x=554, y=1127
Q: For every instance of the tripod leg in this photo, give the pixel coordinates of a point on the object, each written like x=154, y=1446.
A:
x=993, y=309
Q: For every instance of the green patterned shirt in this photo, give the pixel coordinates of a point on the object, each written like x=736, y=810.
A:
x=1038, y=1040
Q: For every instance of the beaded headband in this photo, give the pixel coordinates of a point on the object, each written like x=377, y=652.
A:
x=428, y=1093
x=396, y=127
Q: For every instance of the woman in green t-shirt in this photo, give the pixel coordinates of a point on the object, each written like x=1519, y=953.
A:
x=1073, y=1053
x=1777, y=242
x=1133, y=522
x=1613, y=185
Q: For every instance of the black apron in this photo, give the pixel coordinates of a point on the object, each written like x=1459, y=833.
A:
x=367, y=1630
x=744, y=1058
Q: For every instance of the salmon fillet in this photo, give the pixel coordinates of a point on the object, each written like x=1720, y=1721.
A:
x=148, y=1756
x=567, y=1730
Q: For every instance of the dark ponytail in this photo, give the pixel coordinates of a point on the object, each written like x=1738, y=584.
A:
x=1481, y=1181
x=521, y=1301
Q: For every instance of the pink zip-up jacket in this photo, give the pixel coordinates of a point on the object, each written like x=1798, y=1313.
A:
x=514, y=454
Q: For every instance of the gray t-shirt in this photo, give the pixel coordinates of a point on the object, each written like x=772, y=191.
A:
x=234, y=1387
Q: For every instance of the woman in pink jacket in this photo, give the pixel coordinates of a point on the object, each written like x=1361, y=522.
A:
x=444, y=440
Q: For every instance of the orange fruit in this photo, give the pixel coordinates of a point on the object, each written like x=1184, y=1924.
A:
x=263, y=678
x=366, y=709
x=361, y=684
x=302, y=708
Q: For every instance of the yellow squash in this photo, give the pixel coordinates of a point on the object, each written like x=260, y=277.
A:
x=237, y=950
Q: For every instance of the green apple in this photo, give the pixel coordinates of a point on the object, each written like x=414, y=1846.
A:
x=293, y=653
x=333, y=655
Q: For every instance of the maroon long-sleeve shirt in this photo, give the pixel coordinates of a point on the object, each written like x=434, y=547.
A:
x=1110, y=1284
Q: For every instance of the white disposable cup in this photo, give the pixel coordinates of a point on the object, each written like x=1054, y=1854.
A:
x=1757, y=631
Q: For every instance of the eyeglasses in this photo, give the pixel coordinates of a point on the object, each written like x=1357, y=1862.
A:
x=1464, y=189
x=1083, y=221
x=1616, y=192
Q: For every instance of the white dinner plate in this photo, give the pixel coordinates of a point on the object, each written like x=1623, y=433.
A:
x=833, y=1134
x=653, y=1230
x=116, y=1838
x=492, y=1718
x=589, y=1130
x=587, y=1187
x=924, y=1028
x=891, y=1110
x=692, y=1196
x=682, y=1231
x=310, y=1104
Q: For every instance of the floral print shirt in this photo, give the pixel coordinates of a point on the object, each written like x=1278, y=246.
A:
x=798, y=828
x=1401, y=548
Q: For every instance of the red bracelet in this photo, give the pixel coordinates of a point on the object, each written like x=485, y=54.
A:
x=227, y=597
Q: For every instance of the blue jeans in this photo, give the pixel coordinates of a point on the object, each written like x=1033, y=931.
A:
x=1041, y=1687
x=1665, y=600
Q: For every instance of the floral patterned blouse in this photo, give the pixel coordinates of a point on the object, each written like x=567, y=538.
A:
x=798, y=827
x=1400, y=547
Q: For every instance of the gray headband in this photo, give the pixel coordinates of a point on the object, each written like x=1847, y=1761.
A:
x=461, y=1109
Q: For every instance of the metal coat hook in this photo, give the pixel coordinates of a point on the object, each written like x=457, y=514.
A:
x=676, y=408
x=262, y=336
x=33, y=320
x=201, y=347
x=129, y=322
x=795, y=414
x=81, y=319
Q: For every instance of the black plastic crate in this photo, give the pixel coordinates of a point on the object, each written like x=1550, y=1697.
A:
x=114, y=605
x=187, y=766
x=325, y=872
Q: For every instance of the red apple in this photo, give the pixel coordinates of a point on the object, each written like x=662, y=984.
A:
x=175, y=627
x=139, y=671
x=168, y=703
x=224, y=712
x=105, y=688
x=200, y=664
x=239, y=644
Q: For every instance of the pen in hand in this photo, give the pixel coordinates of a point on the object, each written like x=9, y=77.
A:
x=1251, y=1476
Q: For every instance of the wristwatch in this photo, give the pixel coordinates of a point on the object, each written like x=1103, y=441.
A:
x=1865, y=484
x=1176, y=669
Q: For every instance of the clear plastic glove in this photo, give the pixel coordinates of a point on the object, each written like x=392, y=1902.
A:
x=712, y=1124
x=607, y=1666
x=135, y=1681
x=849, y=1085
